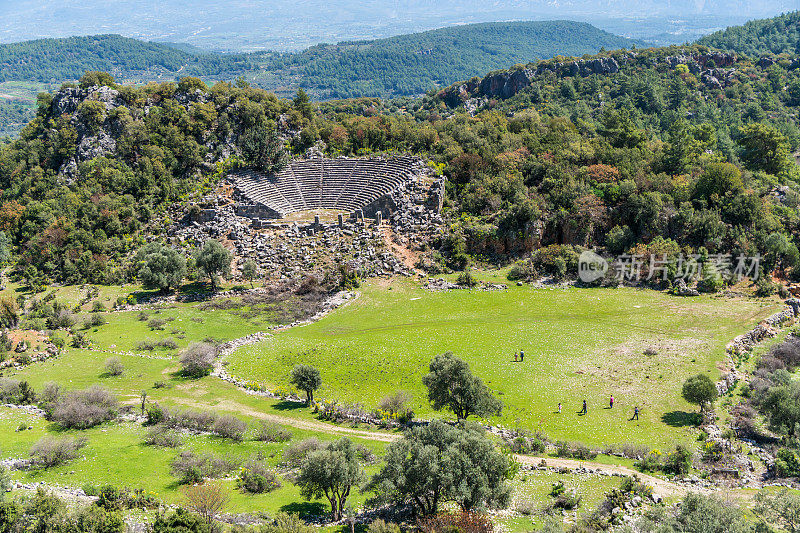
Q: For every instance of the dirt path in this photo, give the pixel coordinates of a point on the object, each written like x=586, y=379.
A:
x=310, y=425
x=660, y=486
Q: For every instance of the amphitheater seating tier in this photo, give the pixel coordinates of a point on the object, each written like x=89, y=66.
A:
x=339, y=184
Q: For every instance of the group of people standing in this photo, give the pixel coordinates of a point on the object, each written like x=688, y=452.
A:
x=520, y=358
x=585, y=408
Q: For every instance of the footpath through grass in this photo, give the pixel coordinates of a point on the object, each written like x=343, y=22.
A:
x=638, y=345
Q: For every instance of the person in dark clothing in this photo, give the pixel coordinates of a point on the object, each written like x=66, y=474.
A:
x=635, y=413
x=521, y=356
x=584, y=410
x=611, y=402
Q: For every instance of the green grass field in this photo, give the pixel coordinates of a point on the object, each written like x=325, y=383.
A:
x=579, y=343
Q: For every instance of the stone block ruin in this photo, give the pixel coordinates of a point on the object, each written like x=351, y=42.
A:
x=318, y=212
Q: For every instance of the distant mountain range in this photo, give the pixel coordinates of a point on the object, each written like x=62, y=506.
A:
x=250, y=25
x=402, y=65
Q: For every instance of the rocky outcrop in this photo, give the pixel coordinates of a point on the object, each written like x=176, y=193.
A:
x=505, y=84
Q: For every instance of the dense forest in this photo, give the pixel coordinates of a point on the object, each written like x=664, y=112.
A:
x=760, y=37
x=67, y=59
x=656, y=156
x=415, y=63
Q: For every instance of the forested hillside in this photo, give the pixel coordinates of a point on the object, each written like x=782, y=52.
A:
x=666, y=150
x=760, y=37
x=67, y=59
x=416, y=63
x=404, y=65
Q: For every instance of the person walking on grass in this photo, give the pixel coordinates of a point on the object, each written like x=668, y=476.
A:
x=611, y=402
x=584, y=409
x=516, y=357
x=521, y=356
x=559, y=407
x=635, y=413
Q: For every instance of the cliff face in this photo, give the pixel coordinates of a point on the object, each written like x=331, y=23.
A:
x=505, y=84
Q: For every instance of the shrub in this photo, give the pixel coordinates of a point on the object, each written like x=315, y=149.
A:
x=650, y=462
x=16, y=392
x=229, y=427
x=522, y=271
x=160, y=435
x=191, y=469
x=155, y=414
x=157, y=323
x=678, y=462
x=114, y=366
x=574, y=451
x=466, y=279
x=764, y=287
x=298, y=451
x=568, y=500
x=97, y=319
x=395, y=403
x=198, y=359
x=110, y=498
x=787, y=463
x=50, y=451
x=272, y=432
x=86, y=408
x=463, y=522
x=256, y=478
x=98, y=307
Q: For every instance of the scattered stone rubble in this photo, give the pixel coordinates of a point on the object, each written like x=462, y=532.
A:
x=441, y=284
x=765, y=329
x=288, y=250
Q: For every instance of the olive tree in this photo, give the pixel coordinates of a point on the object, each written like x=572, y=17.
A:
x=699, y=390
x=452, y=385
x=249, y=271
x=213, y=260
x=439, y=463
x=307, y=379
x=331, y=472
x=159, y=267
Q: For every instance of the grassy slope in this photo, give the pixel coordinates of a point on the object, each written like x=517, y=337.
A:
x=578, y=343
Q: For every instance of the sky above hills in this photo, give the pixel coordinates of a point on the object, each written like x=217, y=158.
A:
x=292, y=25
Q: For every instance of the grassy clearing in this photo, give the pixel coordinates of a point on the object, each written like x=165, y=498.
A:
x=579, y=343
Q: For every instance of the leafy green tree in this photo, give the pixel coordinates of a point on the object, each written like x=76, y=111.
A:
x=706, y=514
x=94, y=78
x=249, y=271
x=159, y=267
x=331, y=472
x=781, y=508
x=764, y=148
x=302, y=103
x=699, y=390
x=439, y=463
x=307, y=379
x=782, y=407
x=263, y=150
x=452, y=385
x=213, y=260
x=717, y=181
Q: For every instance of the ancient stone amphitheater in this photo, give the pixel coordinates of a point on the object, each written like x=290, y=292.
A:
x=342, y=184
